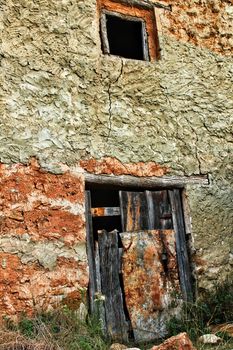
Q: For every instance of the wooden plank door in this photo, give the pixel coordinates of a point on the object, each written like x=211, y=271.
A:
x=116, y=325
x=155, y=259
x=153, y=210
x=105, y=290
x=155, y=264
x=151, y=285
x=159, y=210
x=92, y=288
x=181, y=246
x=133, y=208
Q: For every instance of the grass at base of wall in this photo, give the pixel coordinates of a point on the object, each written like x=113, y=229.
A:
x=224, y=345
x=60, y=329
x=63, y=330
x=198, y=318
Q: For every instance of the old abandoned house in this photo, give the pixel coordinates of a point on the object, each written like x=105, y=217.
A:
x=115, y=152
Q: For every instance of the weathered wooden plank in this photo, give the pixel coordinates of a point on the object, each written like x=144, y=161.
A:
x=122, y=16
x=146, y=182
x=90, y=251
x=145, y=42
x=144, y=4
x=181, y=247
x=97, y=264
x=105, y=211
x=104, y=35
x=99, y=298
x=159, y=210
x=149, y=288
x=134, y=214
x=186, y=212
x=117, y=327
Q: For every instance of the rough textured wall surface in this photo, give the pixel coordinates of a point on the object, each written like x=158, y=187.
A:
x=63, y=101
x=205, y=23
x=142, y=266
x=42, y=251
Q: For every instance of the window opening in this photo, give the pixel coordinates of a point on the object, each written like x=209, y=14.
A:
x=125, y=37
x=129, y=29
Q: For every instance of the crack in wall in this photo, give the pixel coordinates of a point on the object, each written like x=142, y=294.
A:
x=197, y=154
x=110, y=99
x=166, y=93
x=196, y=149
x=109, y=112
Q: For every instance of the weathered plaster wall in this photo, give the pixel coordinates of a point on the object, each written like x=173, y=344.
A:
x=205, y=23
x=43, y=257
x=62, y=101
x=42, y=251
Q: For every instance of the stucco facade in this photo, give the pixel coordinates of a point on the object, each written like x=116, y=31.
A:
x=66, y=109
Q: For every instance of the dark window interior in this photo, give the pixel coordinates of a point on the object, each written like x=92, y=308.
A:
x=108, y=196
x=105, y=198
x=125, y=37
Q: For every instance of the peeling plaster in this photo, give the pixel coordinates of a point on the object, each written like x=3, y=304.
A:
x=76, y=110
x=45, y=253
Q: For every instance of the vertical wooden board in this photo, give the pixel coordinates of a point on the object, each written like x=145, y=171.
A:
x=150, y=289
x=159, y=210
x=97, y=265
x=99, y=300
x=90, y=250
x=145, y=42
x=116, y=324
x=181, y=246
x=104, y=35
x=134, y=213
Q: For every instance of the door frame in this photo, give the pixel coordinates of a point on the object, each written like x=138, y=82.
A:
x=180, y=216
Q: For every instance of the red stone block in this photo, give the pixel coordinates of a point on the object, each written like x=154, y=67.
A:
x=114, y=166
x=177, y=342
x=54, y=224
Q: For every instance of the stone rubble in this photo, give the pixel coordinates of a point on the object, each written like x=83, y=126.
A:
x=117, y=346
x=177, y=342
x=209, y=339
x=225, y=328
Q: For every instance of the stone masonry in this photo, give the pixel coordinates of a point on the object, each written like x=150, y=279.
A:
x=66, y=109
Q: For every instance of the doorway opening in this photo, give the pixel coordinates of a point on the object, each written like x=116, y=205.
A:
x=138, y=258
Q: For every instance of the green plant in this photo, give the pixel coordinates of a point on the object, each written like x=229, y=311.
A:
x=190, y=320
x=27, y=327
x=61, y=329
x=220, y=302
x=213, y=308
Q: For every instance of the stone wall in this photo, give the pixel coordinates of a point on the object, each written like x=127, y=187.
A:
x=71, y=107
x=42, y=253
x=205, y=23
x=43, y=260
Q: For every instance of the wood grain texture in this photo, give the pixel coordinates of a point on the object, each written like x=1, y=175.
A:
x=144, y=4
x=181, y=245
x=134, y=213
x=159, y=210
x=99, y=298
x=146, y=182
x=117, y=327
x=105, y=211
x=90, y=251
